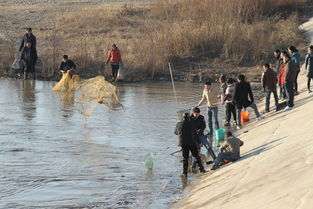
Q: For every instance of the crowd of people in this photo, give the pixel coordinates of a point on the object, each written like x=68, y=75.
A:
x=236, y=95
x=29, y=58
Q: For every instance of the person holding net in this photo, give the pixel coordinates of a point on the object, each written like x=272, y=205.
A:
x=67, y=66
x=189, y=142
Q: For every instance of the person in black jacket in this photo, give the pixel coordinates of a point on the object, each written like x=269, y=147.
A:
x=198, y=123
x=244, y=99
x=28, y=37
x=189, y=142
x=29, y=56
x=67, y=66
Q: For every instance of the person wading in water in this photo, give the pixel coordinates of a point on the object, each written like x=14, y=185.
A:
x=67, y=66
x=29, y=56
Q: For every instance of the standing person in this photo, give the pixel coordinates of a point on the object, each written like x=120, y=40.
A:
x=269, y=82
x=229, y=100
x=114, y=57
x=281, y=76
x=223, y=86
x=67, y=66
x=29, y=56
x=309, y=66
x=199, y=125
x=28, y=37
x=189, y=142
x=211, y=97
x=244, y=99
x=295, y=57
x=230, y=150
x=279, y=64
x=290, y=74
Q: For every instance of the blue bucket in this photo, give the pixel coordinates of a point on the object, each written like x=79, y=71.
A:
x=220, y=134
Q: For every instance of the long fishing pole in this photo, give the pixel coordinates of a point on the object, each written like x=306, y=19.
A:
x=174, y=89
x=176, y=152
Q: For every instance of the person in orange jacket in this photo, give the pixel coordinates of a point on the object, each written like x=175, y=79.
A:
x=114, y=57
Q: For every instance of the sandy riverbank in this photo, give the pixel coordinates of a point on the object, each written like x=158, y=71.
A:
x=275, y=170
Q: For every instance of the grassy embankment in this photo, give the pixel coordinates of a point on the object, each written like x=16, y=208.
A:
x=223, y=33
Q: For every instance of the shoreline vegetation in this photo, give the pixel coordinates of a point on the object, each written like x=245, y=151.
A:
x=199, y=38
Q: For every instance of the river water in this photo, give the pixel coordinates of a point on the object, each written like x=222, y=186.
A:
x=51, y=157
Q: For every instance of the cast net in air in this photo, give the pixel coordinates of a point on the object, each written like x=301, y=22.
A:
x=89, y=93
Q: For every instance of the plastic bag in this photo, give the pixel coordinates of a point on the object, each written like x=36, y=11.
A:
x=17, y=62
x=149, y=161
x=120, y=73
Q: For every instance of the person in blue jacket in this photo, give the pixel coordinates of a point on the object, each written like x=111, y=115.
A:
x=295, y=58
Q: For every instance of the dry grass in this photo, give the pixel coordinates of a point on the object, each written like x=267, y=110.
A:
x=151, y=34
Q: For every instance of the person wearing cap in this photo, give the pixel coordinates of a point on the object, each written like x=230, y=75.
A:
x=114, y=57
x=189, y=142
x=67, y=66
x=199, y=125
x=29, y=57
x=229, y=151
x=211, y=97
x=28, y=37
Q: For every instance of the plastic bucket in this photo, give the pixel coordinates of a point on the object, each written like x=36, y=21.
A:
x=220, y=134
x=244, y=116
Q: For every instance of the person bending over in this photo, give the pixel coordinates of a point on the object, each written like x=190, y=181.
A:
x=67, y=66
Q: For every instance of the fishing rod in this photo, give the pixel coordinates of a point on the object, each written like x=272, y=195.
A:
x=172, y=78
x=176, y=152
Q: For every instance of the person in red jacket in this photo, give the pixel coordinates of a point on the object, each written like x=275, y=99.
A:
x=114, y=57
x=281, y=79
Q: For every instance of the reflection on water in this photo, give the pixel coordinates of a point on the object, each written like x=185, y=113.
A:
x=51, y=157
x=28, y=98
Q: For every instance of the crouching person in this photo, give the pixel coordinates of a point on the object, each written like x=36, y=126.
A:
x=189, y=142
x=230, y=151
